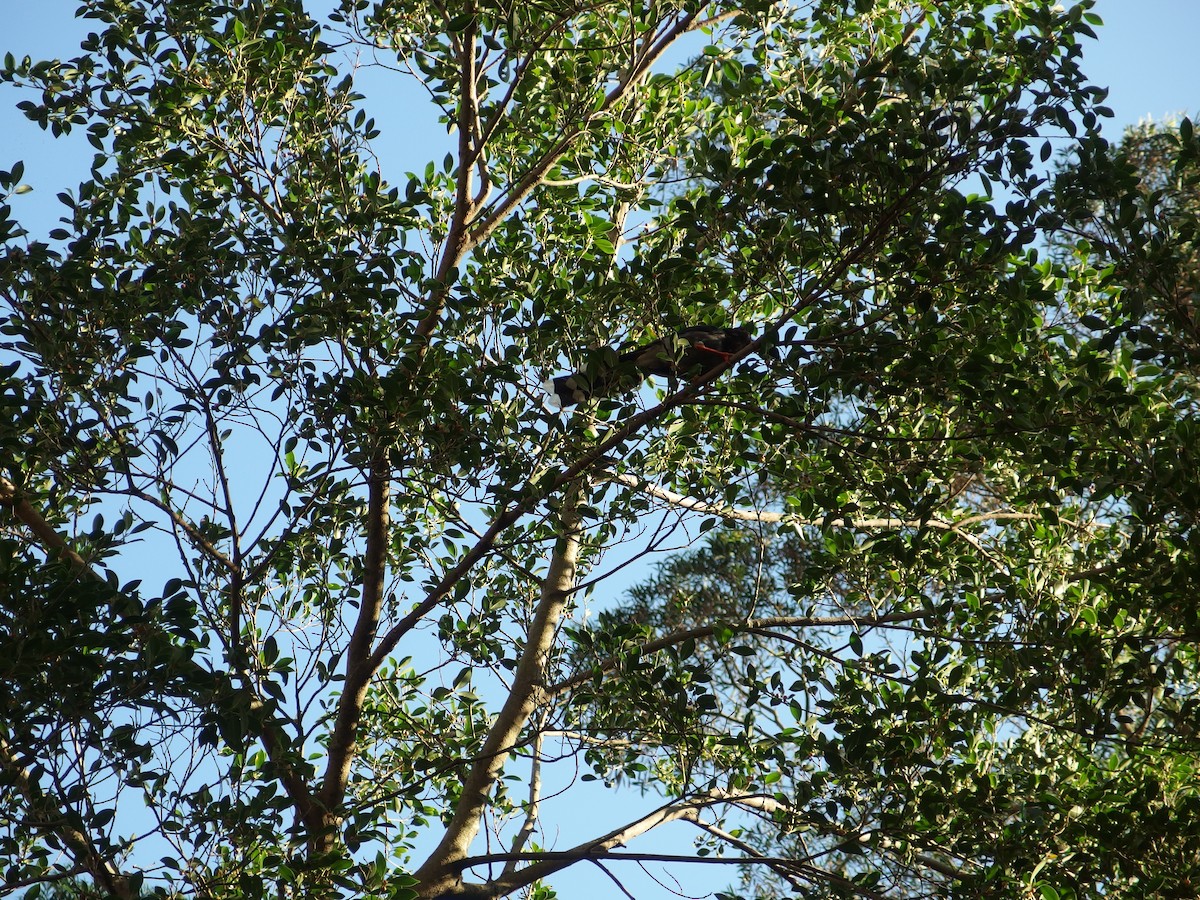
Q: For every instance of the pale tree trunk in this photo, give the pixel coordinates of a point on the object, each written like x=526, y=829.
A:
x=438, y=875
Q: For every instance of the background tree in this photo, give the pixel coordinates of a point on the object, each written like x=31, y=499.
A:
x=1039, y=729
x=309, y=390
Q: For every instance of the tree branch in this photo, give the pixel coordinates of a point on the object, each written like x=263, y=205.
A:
x=439, y=591
x=358, y=655
x=753, y=515
x=525, y=832
x=46, y=813
x=545, y=864
x=183, y=525
x=749, y=625
x=525, y=694
x=272, y=740
x=786, y=871
x=638, y=70
x=51, y=540
x=457, y=242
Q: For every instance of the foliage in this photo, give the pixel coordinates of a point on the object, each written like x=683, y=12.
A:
x=298, y=559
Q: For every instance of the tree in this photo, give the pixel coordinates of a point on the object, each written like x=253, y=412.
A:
x=1039, y=729
x=308, y=389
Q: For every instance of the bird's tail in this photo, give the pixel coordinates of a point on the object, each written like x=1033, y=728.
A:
x=563, y=391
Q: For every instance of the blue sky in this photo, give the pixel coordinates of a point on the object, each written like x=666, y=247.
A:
x=1145, y=54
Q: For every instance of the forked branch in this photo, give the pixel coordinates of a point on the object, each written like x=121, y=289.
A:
x=527, y=692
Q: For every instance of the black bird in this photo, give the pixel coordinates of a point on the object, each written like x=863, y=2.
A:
x=690, y=351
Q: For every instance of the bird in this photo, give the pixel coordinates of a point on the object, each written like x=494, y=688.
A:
x=690, y=351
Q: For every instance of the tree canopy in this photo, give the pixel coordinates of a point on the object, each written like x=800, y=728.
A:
x=306, y=591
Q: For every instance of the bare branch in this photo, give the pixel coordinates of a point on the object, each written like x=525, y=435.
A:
x=526, y=693
x=531, y=810
x=193, y=533
x=544, y=864
x=358, y=655
x=787, y=872
x=271, y=738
